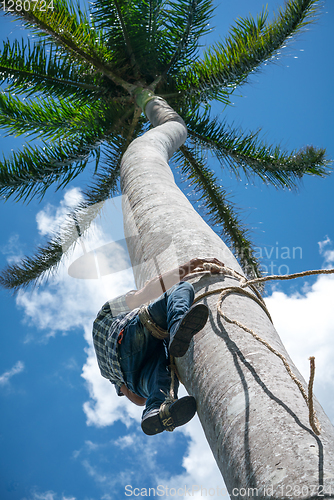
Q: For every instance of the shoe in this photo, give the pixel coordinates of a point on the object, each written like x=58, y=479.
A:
x=192, y=322
x=169, y=416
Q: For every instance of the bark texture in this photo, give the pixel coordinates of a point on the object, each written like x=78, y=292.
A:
x=253, y=415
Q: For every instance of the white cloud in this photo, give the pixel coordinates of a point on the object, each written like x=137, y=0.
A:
x=94, y=472
x=51, y=218
x=304, y=322
x=108, y=481
x=17, y=368
x=326, y=250
x=63, y=305
x=13, y=249
x=49, y=495
x=66, y=303
x=199, y=462
x=125, y=441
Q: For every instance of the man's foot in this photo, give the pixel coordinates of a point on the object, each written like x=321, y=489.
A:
x=192, y=322
x=169, y=416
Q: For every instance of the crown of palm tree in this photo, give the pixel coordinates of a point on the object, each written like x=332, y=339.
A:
x=76, y=88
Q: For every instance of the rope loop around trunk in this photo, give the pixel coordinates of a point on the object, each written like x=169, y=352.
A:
x=243, y=283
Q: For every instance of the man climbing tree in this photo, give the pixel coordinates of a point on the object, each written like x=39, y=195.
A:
x=105, y=78
x=131, y=351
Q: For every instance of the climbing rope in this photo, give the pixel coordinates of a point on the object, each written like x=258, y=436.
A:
x=164, y=413
x=147, y=321
x=243, y=282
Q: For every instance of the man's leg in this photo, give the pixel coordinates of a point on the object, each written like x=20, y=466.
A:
x=162, y=411
x=155, y=379
x=168, y=311
x=170, y=307
x=173, y=311
x=143, y=361
x=136, y=349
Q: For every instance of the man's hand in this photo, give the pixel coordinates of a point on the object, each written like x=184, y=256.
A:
x=156, y=286
x=137, y=400
x=190, y=266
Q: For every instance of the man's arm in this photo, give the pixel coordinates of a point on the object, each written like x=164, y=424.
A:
x=137, y=400
x=156, y=286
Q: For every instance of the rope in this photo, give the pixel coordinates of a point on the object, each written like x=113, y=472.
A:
x=147, y=321
x=310, y=392
x=243, y=282
x=235, y=289
x=308, y=399
x=285, y=276
x=164, y=413
x=165, y=416
x=173, y=372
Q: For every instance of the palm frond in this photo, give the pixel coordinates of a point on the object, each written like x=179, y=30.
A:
x=250, y=44
x=33, y=170
x=153, y=38
x=248, y=153
x=134, y=33
x=221, y=212
x=185, y=22
x=121, y=22
x=43, y=69
x=30, y=172
x=71, y=29
x=47, y=258
x=56, y=119
x=41, y=266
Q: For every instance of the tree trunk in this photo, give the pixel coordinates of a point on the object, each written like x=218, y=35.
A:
x=254, y=416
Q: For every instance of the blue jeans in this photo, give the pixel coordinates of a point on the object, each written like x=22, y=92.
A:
x=144, y=358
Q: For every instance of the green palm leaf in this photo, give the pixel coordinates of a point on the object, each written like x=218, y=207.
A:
x=251, y=43
x=47, y=258
x=122, y=23
x=155, y=37
x=186, y=21
x=30, y=172
x=71, y=29
x=248, y=153
x=220, y=211
x=54, y=119
x=66, y=23
x=42, y=69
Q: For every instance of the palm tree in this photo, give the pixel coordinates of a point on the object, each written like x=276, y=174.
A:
x=90, y=77
x=84, y=71
x=253, y=415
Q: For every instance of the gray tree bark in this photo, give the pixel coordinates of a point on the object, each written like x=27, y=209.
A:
x=254, y=416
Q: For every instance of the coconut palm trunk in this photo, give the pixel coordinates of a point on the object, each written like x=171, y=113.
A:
x=253, y=414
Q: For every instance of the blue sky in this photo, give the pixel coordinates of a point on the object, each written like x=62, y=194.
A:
x=64, y=435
